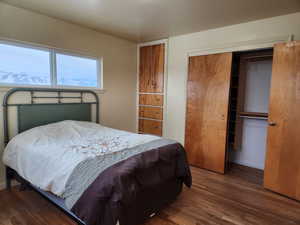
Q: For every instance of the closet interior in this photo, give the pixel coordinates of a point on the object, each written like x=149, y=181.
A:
x=249, y=107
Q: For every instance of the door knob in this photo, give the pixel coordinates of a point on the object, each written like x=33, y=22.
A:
x=272, y=124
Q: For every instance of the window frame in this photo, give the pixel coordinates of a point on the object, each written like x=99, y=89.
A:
x=53, y=66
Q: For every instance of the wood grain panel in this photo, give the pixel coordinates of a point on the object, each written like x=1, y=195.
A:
x=150, y=127
x=282, y=167
x=148, y=99
x=207, y=110
x=151, y=69
x=151, y=112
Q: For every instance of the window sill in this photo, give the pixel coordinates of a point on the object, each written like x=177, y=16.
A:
x=5, y=88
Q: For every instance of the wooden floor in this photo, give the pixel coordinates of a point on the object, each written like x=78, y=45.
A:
x=234, y=199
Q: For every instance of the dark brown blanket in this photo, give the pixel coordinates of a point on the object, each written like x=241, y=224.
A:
x=132, y=190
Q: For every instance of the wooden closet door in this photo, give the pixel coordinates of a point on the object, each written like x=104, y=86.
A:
x=282, y=167
x=207, y=110
x=152, y=61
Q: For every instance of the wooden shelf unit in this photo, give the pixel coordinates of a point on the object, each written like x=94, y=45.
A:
x=151, y=91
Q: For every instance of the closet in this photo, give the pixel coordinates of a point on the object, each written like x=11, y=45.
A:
x=151, y=88
x=245, y=107
x=248, y=107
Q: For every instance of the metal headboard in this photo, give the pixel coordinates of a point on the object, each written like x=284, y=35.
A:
x=59, y=97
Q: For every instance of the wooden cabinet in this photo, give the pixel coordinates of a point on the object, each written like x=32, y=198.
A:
x=150, y=127
x=150, y=99
x=151, y=69
x=151, y=112
x=151, y=88
x=207, y=108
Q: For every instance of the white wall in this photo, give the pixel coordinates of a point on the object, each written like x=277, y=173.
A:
x=118, y=103
x=253, y=150
x=258, y=83
x=241, y=36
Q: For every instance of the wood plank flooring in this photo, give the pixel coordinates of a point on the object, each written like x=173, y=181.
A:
x=234, y=199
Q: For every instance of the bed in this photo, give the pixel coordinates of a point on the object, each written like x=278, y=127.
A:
x=95, y=174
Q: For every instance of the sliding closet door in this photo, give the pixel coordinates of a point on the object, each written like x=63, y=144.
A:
x=282, y=169
x=207, y=108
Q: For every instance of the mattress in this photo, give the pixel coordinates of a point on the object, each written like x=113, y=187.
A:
x=47, y=155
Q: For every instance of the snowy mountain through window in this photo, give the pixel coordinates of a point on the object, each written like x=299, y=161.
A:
x=21, y=65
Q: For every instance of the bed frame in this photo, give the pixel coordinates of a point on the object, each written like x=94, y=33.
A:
x=40, y=112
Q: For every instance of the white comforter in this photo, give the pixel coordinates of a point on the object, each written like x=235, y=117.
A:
x=47, y=155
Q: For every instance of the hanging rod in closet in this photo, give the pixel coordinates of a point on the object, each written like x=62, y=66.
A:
x=255, y=117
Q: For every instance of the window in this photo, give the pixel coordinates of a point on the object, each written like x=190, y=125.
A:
x=76, y=71
x=20, y=65
x=30, y=66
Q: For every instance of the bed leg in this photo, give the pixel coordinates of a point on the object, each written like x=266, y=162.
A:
x=8, y=177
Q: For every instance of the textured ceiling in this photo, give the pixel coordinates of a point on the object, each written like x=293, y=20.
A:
x=143, y=20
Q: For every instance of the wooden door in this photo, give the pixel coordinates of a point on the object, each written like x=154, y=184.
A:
x=151, y=72
x=282, y=167
x=207, y=110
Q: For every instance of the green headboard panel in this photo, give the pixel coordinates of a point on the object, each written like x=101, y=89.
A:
x=30, y=116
